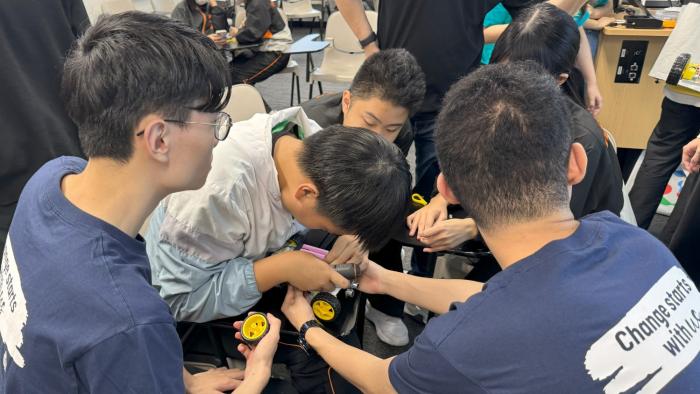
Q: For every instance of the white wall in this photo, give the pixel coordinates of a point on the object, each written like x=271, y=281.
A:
x=93, y=9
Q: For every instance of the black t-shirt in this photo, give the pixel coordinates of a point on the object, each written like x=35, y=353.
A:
x=601, y=188
x=445, y=36
x=35, y=38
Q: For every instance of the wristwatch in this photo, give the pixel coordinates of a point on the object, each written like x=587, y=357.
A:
x=302, y=335
x=368, y=40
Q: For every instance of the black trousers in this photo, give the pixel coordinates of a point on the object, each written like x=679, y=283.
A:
x=257, y=67
x=682, y=231
x=388, y=257
x=308, y=373
x=678, y=125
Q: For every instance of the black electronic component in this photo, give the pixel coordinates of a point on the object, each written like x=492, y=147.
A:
x=631, y=61
x=674, y=76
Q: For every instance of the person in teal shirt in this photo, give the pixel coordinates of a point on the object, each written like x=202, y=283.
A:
x=496, y=17
x=602, y=14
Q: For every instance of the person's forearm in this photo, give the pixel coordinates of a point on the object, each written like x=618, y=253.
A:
x=367, y=372
x=268, y=271
x=592, y=24
x=354, y=14
x=255, y=381
x=492, y=33
x=584, y=60
x=569, y=6
x=435, y=295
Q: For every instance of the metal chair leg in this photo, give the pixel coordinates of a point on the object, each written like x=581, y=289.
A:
x=320, y=88
x=298, y=90
x=291, y=92
x=320, y=22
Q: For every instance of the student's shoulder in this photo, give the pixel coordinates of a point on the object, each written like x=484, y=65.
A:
x=324, y=109
x=585, y=128
x=37, y=193
x=56, y=168
x=613, y=225
x=632, y=244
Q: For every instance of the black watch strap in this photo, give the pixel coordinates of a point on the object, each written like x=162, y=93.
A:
x=368, y=40
x=302, y=335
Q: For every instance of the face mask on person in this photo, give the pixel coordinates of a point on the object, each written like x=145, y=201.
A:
x=201, y=2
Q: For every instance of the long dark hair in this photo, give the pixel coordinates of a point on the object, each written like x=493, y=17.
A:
x=547, y=35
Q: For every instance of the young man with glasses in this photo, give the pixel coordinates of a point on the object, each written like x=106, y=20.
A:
x=77, y=311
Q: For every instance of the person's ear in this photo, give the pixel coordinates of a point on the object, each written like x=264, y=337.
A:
x=562, y=78
x=345, y=102
x=446, y=191
x=306, y=193
x=155, y=140
x=577, y=164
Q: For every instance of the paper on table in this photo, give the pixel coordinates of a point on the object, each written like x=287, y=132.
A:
x=685, y=38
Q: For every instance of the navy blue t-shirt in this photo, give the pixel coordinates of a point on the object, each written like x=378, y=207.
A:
x=77, y=311
x=607, y=309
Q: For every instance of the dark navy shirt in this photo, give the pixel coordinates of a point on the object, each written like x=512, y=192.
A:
x=77, y=311
x=607, y=309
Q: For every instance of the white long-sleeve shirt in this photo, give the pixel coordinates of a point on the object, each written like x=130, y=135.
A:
x=202, y=244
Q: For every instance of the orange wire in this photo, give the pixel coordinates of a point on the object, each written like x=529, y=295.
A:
x=263, y=70
x=205, y=19
x=290, y=344
x=330, y=381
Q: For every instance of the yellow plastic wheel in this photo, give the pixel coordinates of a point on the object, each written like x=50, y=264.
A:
x=254, y=328
x=326, y=307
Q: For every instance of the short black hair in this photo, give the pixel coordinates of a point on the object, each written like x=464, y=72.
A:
x=363, y=181
x=392, y=75
x=503, y=139
x=132, y=64
x=542, y=33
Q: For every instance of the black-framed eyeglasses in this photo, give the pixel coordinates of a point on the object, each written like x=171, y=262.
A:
x=221, y=127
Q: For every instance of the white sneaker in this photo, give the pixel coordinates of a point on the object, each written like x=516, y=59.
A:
x=416, y=312
x=391, y=330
